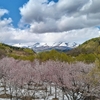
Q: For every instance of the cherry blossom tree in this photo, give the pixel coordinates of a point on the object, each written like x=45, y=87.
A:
x=74, y=79
x=70, y=78
x=5, y=67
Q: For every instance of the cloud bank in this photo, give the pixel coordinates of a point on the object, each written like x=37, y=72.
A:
x=65, y=20
x=65, y=15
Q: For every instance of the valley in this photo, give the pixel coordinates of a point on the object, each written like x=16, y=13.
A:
x=50, y=74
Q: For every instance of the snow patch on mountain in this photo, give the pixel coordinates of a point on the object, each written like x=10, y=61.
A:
x=20, y=45
x=39, y=47
x=40, y=44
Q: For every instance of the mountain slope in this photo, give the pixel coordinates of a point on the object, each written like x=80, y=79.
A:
x=59, y=46
x=88, y=47
x=16, y=52
x=41, y=47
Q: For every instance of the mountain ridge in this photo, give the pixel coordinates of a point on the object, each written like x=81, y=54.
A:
x=40, y=47
x=91, y=46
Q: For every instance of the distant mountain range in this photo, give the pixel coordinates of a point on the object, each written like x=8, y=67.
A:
x=59, y=46
x=23, y=51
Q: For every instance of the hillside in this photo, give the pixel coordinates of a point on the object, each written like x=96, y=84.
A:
x=16, y=52
x=91, y=46
x=87, y=52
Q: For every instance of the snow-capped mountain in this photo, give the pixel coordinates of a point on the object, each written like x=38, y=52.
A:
x=20, y=45
x=74, y=44
x=39, y=47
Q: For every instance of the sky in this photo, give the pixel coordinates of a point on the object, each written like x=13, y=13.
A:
x=49, y=21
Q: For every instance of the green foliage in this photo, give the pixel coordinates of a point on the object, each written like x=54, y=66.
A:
x=87, y=58
x=30, y=57
x=54, y=55
x=88, y=47
x=16, y=52
x=87, y=52
x=94, y=75
x=29, y=51
x=2, y=53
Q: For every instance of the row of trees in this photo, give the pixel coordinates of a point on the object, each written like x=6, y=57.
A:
x=61, y=56
x=77, y=80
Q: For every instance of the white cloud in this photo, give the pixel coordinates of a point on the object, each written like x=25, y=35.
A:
x=9, y=34
x=5, y=26
x=62, y=16
x=78, y=36
x=3, y=11
x=91, y=7
x=13, y=36
x=66, y=21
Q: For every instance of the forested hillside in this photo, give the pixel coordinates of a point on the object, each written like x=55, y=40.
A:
x=86, y=52
x=88, y=47
x=16, y=52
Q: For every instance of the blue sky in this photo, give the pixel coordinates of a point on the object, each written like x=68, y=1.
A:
x=31, y=21
x=13, y=7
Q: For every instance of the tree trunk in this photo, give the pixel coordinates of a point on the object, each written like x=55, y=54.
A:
x=4, y=87
x=10, y=92
x=62, y=95
x=55, y=91
x=50, y=89
x=16, y=93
